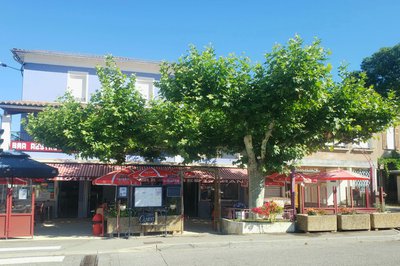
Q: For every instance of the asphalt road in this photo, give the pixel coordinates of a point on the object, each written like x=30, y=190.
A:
x=353, y=248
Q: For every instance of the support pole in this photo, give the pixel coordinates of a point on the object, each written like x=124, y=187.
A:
x=367, y=202
x=319, y=196
x=292, y=190
x=335, y=199
x=303, y=198
x=381, y=199
x=351, y=197
x=182, y=206
x=217, y=202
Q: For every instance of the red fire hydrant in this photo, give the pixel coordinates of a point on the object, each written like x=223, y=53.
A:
x=97, y=224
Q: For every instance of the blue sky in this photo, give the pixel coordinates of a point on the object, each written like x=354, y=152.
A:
x=163, y=30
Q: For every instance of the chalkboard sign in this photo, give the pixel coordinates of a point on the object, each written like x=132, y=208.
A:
x=148, y=196
x=173, y=191
x=147, y=218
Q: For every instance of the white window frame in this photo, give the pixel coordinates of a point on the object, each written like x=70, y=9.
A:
x=150, y=82
x=390, y=142
x=85, y=75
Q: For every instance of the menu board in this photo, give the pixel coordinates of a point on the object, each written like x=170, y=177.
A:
x=148, y=196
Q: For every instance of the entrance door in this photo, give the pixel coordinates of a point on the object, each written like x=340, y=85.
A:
x=191, y=198
x=68, y=197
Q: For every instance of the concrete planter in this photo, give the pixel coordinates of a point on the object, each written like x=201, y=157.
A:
x=385, y=220
x=353, y=222
x=174, y=224
x=231, y=227
x=316, y=223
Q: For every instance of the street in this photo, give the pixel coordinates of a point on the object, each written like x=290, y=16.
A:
x=342, y=248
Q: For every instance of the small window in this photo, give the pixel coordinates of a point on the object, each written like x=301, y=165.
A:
x=77, y=85
x=390, y=138
x=145, y=87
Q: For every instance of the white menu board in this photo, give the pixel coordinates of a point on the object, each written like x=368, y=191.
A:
x=148, y=197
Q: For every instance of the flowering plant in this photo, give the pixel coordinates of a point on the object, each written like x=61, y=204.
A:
x=269, y=210
x=347, y=211
x=312, y=211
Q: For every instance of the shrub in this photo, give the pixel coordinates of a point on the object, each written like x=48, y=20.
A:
x=269, y=210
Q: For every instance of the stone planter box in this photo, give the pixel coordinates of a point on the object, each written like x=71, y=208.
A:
x=353, y=222
x=385, y=220
x=231, y=227
x=174, y=224
x=316, y=223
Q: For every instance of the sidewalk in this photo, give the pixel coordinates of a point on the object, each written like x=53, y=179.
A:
x=82, y=228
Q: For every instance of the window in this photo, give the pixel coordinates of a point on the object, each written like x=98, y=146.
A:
x=229, y=191
x=390, y=139
x=362, y=145
x=145, y=87
x=77, y=85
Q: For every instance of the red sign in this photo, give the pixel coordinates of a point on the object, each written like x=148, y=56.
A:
x=31, y=146
x=171, y=180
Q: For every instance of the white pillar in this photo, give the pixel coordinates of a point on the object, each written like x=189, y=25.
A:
x=6, y=125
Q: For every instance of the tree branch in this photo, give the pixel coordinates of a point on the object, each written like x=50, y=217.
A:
x=264, y=142
x=248, y=143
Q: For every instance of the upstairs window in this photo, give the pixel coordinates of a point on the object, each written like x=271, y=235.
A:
x=78, y=85
x=145, y=87
x=390, y=139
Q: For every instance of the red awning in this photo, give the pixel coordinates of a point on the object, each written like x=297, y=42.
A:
x=90, y=171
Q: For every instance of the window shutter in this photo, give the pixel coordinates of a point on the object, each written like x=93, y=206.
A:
x=384, y=140
x=397, y=138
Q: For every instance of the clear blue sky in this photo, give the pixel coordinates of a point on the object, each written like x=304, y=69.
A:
x=163, y=30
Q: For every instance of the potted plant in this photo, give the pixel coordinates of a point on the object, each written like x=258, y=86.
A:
x=349, y=219
x=384, y=219
x=316, y=220
x=268, y=211
x=267, y=224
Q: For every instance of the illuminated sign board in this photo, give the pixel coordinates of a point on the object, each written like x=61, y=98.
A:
x=31, y=146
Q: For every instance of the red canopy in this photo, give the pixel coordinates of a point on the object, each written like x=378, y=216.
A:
x=271, y=182
x=13, y=180
x=277, y=178
x=153, y=172
x=117, y=178
x=339, y=175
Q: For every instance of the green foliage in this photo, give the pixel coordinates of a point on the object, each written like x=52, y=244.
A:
x=390, y=163
x=113, y=124
x=272, y=113
x=383, y=70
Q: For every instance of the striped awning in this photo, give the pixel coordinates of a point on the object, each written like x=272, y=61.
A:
x=90, y=171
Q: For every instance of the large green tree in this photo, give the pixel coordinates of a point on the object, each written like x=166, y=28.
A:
x=113, y=124
x=271, y=113
x=383, y=70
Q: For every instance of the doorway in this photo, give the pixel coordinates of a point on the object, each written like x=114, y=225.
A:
x=68, y=197
x=191, y=198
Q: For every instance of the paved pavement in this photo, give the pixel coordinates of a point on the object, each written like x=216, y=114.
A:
x=82, y=228
x=60, y=241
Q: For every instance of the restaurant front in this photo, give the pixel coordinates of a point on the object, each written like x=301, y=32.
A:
x=71, y=194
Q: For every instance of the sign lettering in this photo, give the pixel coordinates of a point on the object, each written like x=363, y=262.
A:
x=31, y=146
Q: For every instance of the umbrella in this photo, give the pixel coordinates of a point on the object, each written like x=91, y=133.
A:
x=339, y=175
x=283, y=178
x=153, y=172
x=271, y=182
x=14, y=181
x=19, y=164
x=117, y=178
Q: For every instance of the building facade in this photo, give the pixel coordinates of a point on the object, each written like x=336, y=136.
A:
x=49, y=75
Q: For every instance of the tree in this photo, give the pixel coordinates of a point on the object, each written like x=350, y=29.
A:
x=383, y=70
x=272, y=113
x=113, y=124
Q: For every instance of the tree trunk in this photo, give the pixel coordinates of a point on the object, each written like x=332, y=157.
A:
x=256, y=185
x=256, y=177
